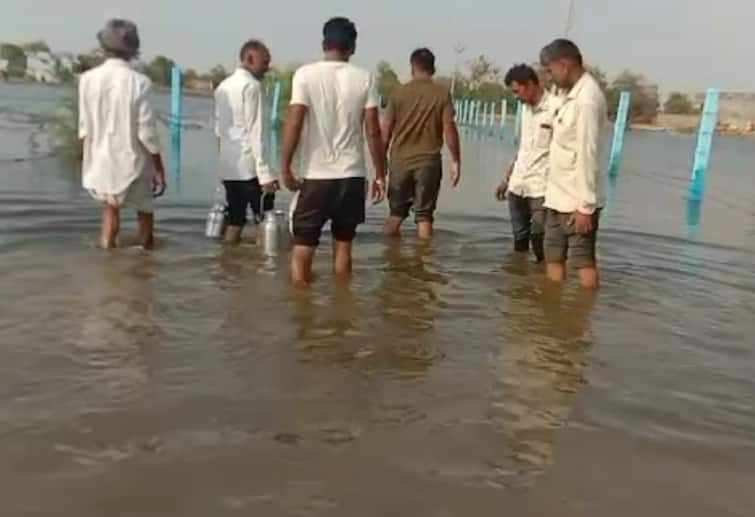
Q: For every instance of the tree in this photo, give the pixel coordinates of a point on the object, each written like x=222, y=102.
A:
x=63, y=73
x=160, y=70
x=36, y=46
x=387, y=80
x=482, y=70
x=217, y=75
x=16, y=58
x=87, y=61
x=645, y=98
x=678, y=104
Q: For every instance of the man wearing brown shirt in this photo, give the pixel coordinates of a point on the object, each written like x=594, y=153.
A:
x=420, y=113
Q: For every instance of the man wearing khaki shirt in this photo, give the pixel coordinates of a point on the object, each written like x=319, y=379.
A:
x=574, y=194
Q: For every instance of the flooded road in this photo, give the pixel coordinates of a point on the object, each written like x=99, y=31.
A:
x=445, y=380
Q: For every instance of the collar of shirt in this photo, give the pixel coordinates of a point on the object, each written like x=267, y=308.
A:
x=578, y=86
x=244, y=73
x=114, y=61
x=544, y=103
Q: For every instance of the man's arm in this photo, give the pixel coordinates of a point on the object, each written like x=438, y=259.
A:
x=451, y=134
x=375, y=142
x=147, y=134
x=589, y=119
x=297, y=113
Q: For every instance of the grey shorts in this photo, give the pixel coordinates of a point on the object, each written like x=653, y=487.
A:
x=562, y=240
x=416, y=189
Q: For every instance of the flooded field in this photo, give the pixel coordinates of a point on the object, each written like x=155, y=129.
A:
x=446, y=380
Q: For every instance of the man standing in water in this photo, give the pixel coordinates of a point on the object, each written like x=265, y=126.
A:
x=574, y=194
x=333, y=103
x=241, y=128
x=122, y=164
x=419, y=114
x=526, y=177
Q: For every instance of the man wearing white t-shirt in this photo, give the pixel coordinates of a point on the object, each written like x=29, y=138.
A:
x=333, y=106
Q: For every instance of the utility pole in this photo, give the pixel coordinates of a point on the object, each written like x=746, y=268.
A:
x=459, y=49
x=569, y=19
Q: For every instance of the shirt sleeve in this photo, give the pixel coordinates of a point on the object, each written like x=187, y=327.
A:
x=589, y=119
x=299, y=92
x=146, y=121
x=373, y=97
x=254, y=113
x=83, y=112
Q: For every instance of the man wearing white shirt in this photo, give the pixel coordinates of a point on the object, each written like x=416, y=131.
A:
x=241, y=129
x=334, y=105
x=122, y=164
x=575, y=194
x=526, y=177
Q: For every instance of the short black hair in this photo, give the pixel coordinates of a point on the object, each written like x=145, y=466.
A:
x=560, y=49
x=339, y=34
x=424, y=59
x=252, y=44
x=521, y=74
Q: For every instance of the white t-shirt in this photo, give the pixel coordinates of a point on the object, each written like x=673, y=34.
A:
x=118, y=126
x=336, y=94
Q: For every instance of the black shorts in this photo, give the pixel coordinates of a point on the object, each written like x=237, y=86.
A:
x=340, y=201
x=241, y=194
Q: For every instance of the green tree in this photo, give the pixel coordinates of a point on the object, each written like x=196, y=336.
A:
x=387, y=80
x=89, y=60
x=36, y=46
x=160, y=69
x=645, y=98
x=481, y=70
x=16, y=58
x=678, y=104
x=217, y=75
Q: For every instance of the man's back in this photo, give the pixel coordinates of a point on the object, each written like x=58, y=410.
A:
x=418, y=109
x=336, y=94
x=117, y=125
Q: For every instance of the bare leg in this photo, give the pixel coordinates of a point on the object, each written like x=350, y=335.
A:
x=301, y=265
x=556, y=271
x=589, y=277
x=147, y=229
x=111, y=225
x=232, y=234
x=425, y=230
x=342, y=258
x=393, y=226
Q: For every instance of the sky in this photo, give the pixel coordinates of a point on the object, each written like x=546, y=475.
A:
x=686, y=45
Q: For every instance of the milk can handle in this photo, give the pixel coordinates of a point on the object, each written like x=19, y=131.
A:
x=262, y=202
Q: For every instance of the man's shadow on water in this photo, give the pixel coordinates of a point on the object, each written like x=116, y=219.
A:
x=539, y=369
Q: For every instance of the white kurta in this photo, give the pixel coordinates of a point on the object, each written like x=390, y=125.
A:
x=241, y=127
x=118, y=127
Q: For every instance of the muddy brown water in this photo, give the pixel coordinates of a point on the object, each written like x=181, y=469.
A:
x=444, y=380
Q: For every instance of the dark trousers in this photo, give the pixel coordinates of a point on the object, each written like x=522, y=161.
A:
x=528, y=223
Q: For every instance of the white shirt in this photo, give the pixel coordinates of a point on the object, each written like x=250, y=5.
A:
x=532, y=163
x=241, y=126
x=576, y=181
x=118, y=126
x=332, y=141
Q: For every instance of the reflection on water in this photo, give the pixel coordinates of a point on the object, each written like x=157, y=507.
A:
x=444, y=379
x=539, y=368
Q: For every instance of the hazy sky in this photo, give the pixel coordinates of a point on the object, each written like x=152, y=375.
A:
x=680, y=44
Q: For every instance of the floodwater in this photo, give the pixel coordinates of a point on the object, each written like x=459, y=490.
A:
x=445, y=380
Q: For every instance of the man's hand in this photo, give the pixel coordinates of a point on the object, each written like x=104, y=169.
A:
x=271, y=187
x=378, y=191
x=158, y=183
x=584, y=223
x=291, y=182
x=502, y=190
x=455, y=173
